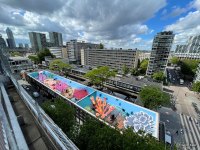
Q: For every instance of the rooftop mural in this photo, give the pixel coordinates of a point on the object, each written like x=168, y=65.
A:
x=115, y=111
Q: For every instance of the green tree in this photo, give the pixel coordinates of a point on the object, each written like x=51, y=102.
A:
x=125, y=70
x=13, y=54
x=93, y=135
x=189, y=66
x=134, y=71
x=59, y=65
x=101, y=46
x=100, y=75
x=61, y=113
x=34, y=58
x=159, y=76
x=152, y=97
x=41, y=55
x=196, y=86
x=143, y=66
x=174, y=60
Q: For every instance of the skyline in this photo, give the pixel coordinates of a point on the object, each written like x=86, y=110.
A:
x=115, y=24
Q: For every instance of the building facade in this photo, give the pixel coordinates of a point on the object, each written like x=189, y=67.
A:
x=56, y=39
x=161, y=47
x=2, y=42
x=74, y=49
x=143, y=55
x=56, y=51
x=189, y=51
x=38, y=41
x=18, y=64
x=114, y=58
x=10, y=39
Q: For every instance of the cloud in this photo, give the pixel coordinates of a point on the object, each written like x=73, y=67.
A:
x=94, y=21
x=37, y=6
x=186, y=26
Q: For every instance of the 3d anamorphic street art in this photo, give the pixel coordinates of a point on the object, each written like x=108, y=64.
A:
x=114, y=111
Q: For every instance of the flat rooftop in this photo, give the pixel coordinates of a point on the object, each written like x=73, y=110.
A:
x=18, y=58
x=112, y=110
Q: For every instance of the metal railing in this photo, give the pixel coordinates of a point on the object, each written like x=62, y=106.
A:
x=59, y=137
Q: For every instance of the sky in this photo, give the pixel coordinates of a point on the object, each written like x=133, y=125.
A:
x=115, y=23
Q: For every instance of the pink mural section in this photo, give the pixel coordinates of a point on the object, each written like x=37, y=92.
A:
x=63, y=88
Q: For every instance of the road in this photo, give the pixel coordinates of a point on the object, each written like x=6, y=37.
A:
x=173, y=76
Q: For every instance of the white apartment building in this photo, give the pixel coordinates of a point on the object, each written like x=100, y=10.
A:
x=56, y=51
x=143, y=55
x=18, y=64
x=114, y=58
x=160, y=52
x=189, y=51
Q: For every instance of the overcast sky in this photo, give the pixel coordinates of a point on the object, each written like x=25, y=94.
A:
x=116, y=23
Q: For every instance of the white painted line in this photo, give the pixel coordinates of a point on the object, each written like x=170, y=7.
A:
x=193, y=132
x=186, y=138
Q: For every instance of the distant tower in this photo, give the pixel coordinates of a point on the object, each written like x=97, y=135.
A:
x=56, y=39
x=10, y=39
x=161, y=47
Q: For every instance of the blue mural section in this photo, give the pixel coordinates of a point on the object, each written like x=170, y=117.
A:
x=113, y=110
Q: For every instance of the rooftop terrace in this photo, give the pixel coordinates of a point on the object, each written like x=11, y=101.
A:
x=114, y=111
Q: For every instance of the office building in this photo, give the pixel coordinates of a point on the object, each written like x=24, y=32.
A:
x=114, y=58
x=160, y=51
x=64, y=52
x=56, y=51
x=2, y=42
x=38, y=41
x=74, y=49
x=143, y=55
x=56, y=39
x=10, y=39
x=189, y=51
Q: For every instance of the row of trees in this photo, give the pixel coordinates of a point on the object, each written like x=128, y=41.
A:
x=93, y=134
x=100, y=75
x=153, y=97
x=140, y=70
x=188, y=66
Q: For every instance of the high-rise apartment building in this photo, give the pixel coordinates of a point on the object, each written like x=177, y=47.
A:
x=161, y=47
x=10, y=39
x=2, y=42
x=189, y=51
x=74, y=49
x=114, y=58
x=38, y=41
x=56, y=39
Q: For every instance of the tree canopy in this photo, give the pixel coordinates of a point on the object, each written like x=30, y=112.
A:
x=189, y=66
x=59, y=65
x=93, y=135
x=159, y=76
x=143, y=66
x=174, y=60
x=125, y=70
x=100, y=75
x=134, y=71
x=61, y=113
x=196, y=86
x=101, y=46
x=13, y=54
x=152, y=97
